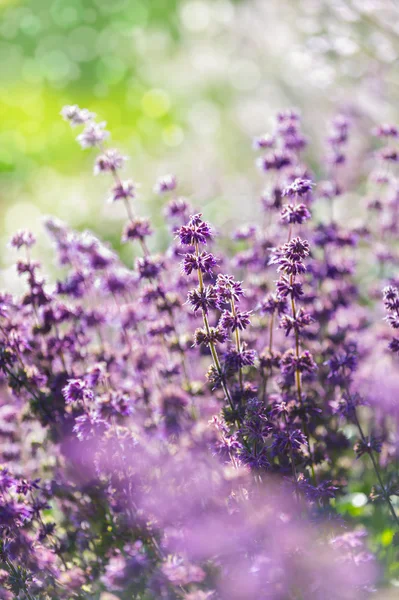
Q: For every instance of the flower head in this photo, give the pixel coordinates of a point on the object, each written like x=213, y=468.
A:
x=165, y=184
x=123, y=190
x=76, y=116
x=228, y=288
x=205, y=262
x=93, y=135
x=195, y=232
x=299, y=187
x=295, y=213
x=204, y=300
x=23, y=238
x=110, y=161
x=137, y=229
x=77, y=390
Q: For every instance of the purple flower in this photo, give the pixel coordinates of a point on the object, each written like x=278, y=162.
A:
x=386, y=130
x=368, y=445
x=254, y=459
x=76, y=116
x=77, y=390
x=391, y=298
x=96, y=374
x=389, y=155
x=285, y=288
x=342, y=364
x=149, y=267
x=297, y=323
x=296, y=249
x=177, y=207
x=291, y=267
x=6, y=480
x=393, y=320
x=23, y=238
x=116, y=576
x=205, y=262
x=204, y=300
x=173, y=405
x=394, y=345
x=228, y=288
x=248, y=232
x=290, y=115
x=286, y=439
x=14, y=514
x=235, y=359
x=123, y=190
x=110, y=161
x=346, y=405
x=273, y=303
x=290, y=363
x=195, y=232
x=87, y=427
x=137, y=229
x=165, y=184
x=160, y=327
x=233, y=321
x=119, y=281
x=216, y=335
x=93, y=135
x=263, y=141
x=299, y=187
x=270, y=359
x=276, y=160
x=295, y=213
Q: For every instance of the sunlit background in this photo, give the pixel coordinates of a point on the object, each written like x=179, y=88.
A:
x=183, y=86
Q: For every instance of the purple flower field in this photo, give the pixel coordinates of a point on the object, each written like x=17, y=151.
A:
x=207, y=412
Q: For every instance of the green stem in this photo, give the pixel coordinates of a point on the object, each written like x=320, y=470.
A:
x=238, y=343
x=212, y=347
x=377, y=471
x=299, y=386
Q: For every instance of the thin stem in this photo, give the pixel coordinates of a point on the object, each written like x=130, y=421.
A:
x=293, y=467
x=264, y=386
x=130, y=215
x=212, y=347
x=238, y=343
x=269, y=374
x=297, y=371
x=299, y=384
x=147, y=253
x=271, y=332
x=377, y=471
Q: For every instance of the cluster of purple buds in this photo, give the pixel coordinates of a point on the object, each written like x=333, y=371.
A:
x=168, y=411
x=391, y=302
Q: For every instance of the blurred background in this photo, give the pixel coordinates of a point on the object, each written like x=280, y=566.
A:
x=184, y=85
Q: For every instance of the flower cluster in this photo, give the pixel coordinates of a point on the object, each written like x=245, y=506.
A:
x=192, y=425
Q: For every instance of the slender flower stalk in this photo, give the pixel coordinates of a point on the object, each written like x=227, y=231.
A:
x=212, y=345
x=111, y=161
x=238, y=343
x=290, y=259
x=368, y=448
